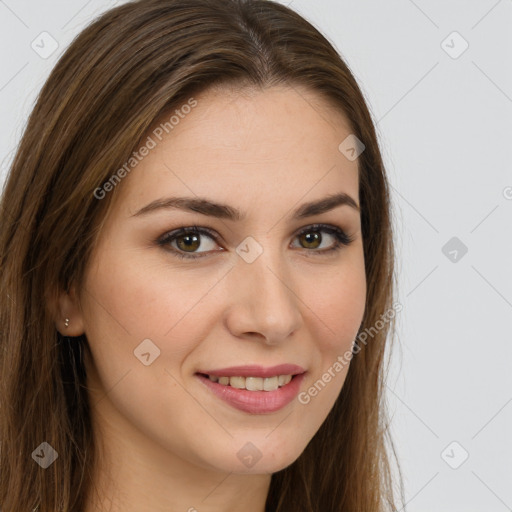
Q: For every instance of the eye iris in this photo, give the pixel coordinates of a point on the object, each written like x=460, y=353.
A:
x=190, y=239
x=311, y=239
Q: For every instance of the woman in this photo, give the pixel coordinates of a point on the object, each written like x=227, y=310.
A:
x=197, y=272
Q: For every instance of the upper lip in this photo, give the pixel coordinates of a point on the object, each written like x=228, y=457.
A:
x=255, y=371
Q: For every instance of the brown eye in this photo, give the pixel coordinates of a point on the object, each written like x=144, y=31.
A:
x=311, y=238
x=185, y=242
x=310, y=241
x=188, y=241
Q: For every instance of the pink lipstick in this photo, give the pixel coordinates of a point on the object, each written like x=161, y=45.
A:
x=255, y=389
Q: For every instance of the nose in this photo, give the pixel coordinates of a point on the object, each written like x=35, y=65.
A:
x=263, y=303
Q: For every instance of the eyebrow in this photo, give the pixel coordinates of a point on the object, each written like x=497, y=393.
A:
x=223, y=211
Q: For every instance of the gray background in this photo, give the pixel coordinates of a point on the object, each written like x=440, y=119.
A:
x=444, y=123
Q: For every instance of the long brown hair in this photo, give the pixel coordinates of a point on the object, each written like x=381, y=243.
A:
x=132, y=65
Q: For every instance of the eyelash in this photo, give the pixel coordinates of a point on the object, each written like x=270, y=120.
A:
x=342, y=239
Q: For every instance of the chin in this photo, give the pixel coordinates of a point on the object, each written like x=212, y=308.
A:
x=257, y=456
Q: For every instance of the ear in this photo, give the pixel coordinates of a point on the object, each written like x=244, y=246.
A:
x=69, y=308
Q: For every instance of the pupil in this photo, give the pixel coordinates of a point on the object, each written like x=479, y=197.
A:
x=189, y=240
x=312, y=238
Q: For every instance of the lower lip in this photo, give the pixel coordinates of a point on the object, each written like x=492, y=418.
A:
x=255, y=402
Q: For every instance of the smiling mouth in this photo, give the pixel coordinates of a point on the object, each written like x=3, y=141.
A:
x=251, y=383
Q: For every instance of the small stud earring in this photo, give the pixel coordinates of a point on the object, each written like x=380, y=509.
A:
x=66, y=322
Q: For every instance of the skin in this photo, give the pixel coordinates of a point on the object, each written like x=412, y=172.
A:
x=167, y=442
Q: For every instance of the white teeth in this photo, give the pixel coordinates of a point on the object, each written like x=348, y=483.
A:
x=253, y=383
x=237, y=382
x=270, y=383
x=284, y=379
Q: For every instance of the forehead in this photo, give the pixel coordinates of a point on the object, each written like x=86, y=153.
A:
x=245, y=147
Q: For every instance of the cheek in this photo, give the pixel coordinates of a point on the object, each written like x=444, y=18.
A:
x=338, y=303
x=323, y=385
x=126, y=305
x=337, y=307
x=132, y=300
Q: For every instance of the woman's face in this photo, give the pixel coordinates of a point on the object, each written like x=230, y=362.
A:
x=161, y=310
